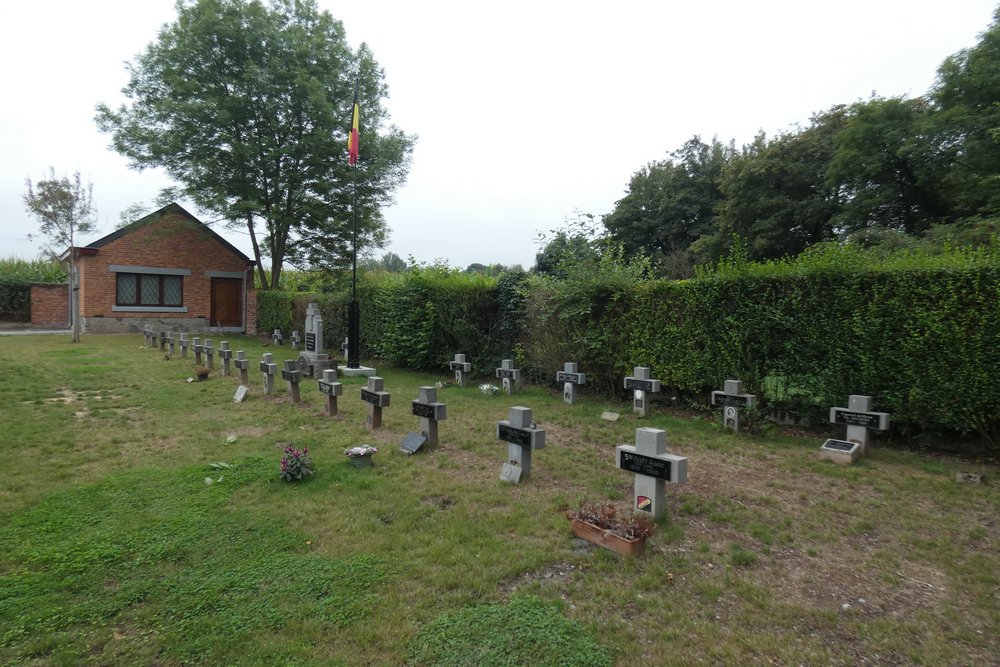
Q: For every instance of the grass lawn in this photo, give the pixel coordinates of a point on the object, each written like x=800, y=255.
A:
x=115, y=549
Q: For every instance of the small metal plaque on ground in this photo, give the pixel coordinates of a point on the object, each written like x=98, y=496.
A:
x=843, y=452
x=412, y=442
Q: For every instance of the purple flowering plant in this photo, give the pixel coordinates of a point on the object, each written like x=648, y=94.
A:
x=295, y=464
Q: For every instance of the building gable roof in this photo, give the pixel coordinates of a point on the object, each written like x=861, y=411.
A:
x=169, y=209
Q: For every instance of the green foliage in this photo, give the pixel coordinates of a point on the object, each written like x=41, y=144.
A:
x=295, y=464
x=247, y=105
x=274, y=311
x=15, y=300
x=64, y=208
x=525, y=631
x=32, y=270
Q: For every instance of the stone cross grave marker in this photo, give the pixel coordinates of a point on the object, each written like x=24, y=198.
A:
x=197, y=351
x=226, y=355
x=641, y=385
x=377, y=398
x=732, y=398
x=291, y=374
x=330, y=388
x=243, y=364
x=571, y=378
x=461, y=368
x=343, y=349
x=184, y=346
x=209, y=353
x=146, y=333
x=269, y=369
x=426, y=407
x=296, y=340
x=508, y=376
x=276, y=337
x=313, y=360
x=653, y=467
x=163, y=341
x=170, y=343
x=859, y=418
x=522, y=437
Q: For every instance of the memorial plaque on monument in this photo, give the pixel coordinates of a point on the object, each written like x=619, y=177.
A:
x=653, y=467
x=310, y=341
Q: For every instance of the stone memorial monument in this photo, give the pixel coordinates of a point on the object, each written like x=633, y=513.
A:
x=732, y=398
x=461, y=368
x=376, y=398
x=508, y=376
x=571, y=378
x=522, y=437
x=330, y=388
x=312, y=360
x=641, y=385
x=653, y=467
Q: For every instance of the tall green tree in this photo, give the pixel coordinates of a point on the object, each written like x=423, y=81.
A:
x=967, y=124
x=64, y=209
x=247, y=104
x=670, y=204
x=776, y=193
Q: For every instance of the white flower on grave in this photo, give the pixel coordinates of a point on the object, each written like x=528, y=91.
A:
x=489, y=389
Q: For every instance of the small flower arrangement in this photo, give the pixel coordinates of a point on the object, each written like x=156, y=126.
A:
x=608, y=517
x=359, y=451
x=295, y=464
x=489, y=389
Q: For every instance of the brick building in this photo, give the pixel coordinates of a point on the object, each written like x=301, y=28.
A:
x=167, y=269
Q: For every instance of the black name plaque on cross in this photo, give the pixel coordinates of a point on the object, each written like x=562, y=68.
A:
x=640, y=385
x=516, y=436
x=856, y=418
x=646, y=465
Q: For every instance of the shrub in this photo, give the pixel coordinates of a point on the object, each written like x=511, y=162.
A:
x=295, y=464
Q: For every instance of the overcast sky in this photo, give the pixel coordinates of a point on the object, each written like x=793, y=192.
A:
x=525, y=111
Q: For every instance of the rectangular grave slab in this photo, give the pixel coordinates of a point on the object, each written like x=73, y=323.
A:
x=843, y=452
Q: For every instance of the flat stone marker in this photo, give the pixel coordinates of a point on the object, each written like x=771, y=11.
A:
x=209, y=353
x=243, y=365
x=226, y=355
x=163, y=341
x=184, y=346
x=277, y=337
x=610, y=416
x=732, y=398
x=412, y=442
x=430, y=412
x=522, y=437
x=197, y=351
x=292, y=375
x=241, y=394
x=330, y=388
x=170, y=343
x=508, y=376
x=296, y=340
x=376, y=398
x=571, y=379
x=859, y=418
x=840, y=451
x=461, y=368
x=641, y=385
x=653, y=467
x=269, y=369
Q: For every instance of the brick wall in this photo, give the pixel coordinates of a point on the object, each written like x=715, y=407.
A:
x=172, y=241
x=50, y=305
x=251, y=308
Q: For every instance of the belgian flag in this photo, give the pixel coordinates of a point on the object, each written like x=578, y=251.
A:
x=352, y=140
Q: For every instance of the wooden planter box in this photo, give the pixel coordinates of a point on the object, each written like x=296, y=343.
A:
x=605, y=538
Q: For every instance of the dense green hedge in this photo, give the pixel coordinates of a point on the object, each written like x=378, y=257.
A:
x=15, y=300
x=918, y=334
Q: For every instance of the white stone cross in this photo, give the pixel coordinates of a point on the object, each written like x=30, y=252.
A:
x=269, y=369
x=330, y=388
x=731, y=399
x=859, y=418
x=292, y=375
x=571, y=378
x=641, y=385
x=426, y=407
x=461, y=367
x=508, y=376
x=653, y=467
x=522, y=437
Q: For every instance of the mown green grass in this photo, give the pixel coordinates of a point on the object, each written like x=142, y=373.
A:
x=114, y=549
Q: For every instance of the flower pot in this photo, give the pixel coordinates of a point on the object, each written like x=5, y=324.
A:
x=361, y=461
x=605, y=538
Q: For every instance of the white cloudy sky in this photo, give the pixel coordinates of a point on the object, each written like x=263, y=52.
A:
x=526, y=111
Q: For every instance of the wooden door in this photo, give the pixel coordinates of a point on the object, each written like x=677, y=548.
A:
x=227, y=304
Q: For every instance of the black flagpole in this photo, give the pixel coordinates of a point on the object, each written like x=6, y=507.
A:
x=354, y=310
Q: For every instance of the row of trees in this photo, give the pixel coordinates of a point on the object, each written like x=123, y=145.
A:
x=880, y=170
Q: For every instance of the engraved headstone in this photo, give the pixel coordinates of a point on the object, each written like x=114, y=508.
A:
x=461, y=368
x=731, y=399
x=571, y=378
x=641, y=386
x=653, y=467
x=313, y=360
x=859, y=418
x=377, y=398
x=243, y=364
x=522, y=437
x=508, y=376
x=330, y=388
x=430, y=413
x=269, y=369
x=292, y=375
